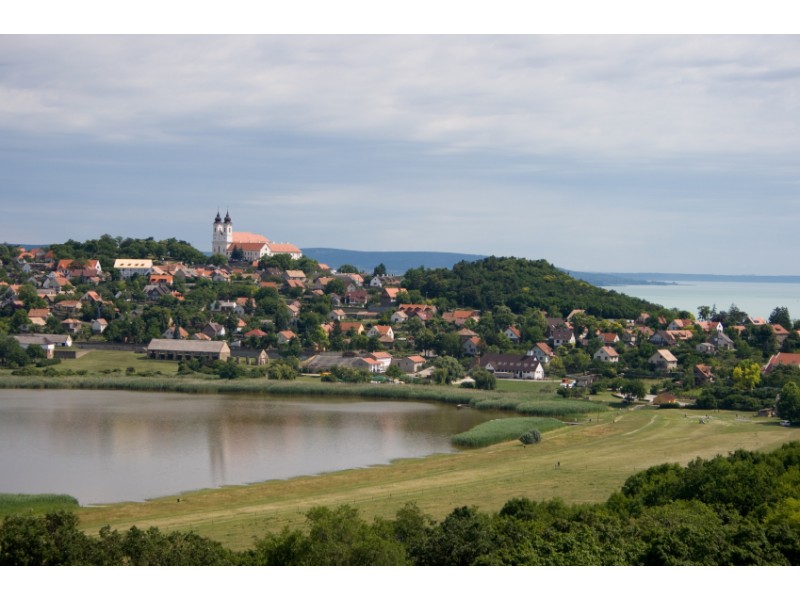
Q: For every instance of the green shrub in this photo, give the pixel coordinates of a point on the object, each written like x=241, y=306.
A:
x=531, y=437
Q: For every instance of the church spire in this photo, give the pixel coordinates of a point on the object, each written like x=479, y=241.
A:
x=227, y=217
x=218, y=219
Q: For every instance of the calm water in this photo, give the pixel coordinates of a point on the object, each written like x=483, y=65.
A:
x=104, y=446
x=756, y=299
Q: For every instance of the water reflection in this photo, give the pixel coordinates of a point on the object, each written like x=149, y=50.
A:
x=105, y=446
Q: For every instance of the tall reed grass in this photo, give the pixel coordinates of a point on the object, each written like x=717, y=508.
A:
x=502, y=430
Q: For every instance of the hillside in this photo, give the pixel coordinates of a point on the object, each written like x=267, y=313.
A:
x=521, y=284
x=396, y=263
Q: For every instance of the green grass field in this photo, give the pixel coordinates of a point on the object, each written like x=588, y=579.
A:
x=103, y=362
x=595, y=459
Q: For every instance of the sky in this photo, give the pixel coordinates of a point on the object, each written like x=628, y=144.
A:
x=616, y=153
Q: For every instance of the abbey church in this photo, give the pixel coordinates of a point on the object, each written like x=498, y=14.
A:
x=253, y=246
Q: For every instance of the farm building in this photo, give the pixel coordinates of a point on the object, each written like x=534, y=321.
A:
x=186, y=349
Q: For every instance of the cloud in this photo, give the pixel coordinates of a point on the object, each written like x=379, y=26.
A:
x=543, y=146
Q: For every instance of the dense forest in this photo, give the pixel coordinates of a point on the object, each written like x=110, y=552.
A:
x=741, y=509
x=520, y=284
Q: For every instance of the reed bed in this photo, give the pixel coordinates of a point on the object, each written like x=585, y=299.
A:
x=13, y=504
x=503, y=430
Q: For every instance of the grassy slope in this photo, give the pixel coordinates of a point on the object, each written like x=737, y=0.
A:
x=97, y=361
x=595, y=460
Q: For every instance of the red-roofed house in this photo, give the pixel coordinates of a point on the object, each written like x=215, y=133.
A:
x=782, y=358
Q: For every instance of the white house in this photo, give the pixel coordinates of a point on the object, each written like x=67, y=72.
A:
x=129, y=267
x=606, y=354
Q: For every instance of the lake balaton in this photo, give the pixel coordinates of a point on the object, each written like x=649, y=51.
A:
x=112, y=446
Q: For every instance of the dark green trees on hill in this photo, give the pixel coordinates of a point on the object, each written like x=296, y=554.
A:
x=520, y=284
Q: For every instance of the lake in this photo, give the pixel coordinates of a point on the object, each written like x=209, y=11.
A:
x=112, y=446
x=756, y=299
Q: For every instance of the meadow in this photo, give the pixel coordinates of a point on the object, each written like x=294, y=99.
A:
x=594, y=459
x=597, y=446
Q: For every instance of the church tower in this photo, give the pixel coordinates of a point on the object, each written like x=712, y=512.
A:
x=222, y=235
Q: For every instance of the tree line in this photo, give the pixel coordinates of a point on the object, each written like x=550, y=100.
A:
x=740, y=509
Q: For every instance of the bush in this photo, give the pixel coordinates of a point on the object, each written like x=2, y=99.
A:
x=531, y=437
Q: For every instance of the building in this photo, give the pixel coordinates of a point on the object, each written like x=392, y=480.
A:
x=224, y=240
x=516, y=366
x=664, y=359
x=160, y=349
x=130, y=267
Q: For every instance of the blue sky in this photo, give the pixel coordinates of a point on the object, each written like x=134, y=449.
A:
x=598, y=153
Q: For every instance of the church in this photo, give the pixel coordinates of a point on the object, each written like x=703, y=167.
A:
x=253, y=246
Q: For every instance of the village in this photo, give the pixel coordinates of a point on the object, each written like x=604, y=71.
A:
x=256, y=303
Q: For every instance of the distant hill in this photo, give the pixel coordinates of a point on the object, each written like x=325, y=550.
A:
x=396, y=263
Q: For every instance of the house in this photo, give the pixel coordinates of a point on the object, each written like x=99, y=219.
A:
x=99, y=326
x=214, y=330
x=132, y=267
x=722, y=342
x=543, y=353
x=609, y=338
x=47, y=341
x=337, y=315
x=381, y=331
x=160, y=349
x=663, y=338
x=384, y=360
x=389, y=295
x=782, y=358
x=513, y=334
x=286, y=336
x=356, y=298
x=706, y=348
x=411, y=364
x=561, y=336
x=399, y=317
x=175, y=333
x=39, y=316
x=664, y=360
x=351, y=327
x=606, y=354
x=703, y=375
x=780, y=333
x=368, y=363
x=710, y=326
x=472, y=345
x=459, y=317
x=72, y=325
x=512, y=366
x=156, y=291
x=255, y=333
x=677, y=324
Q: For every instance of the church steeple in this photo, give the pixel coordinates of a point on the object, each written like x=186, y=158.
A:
x=218, y=219
x=227, y=217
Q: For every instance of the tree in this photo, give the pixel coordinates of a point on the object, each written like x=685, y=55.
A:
x=746, y=375
x=447, y=369
x=634, y=389
x=788, y=405
x=484, y=380
x=379, y=270
x=704, y=312
x=347, y=268
x=780, y=316
x=237, y=254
